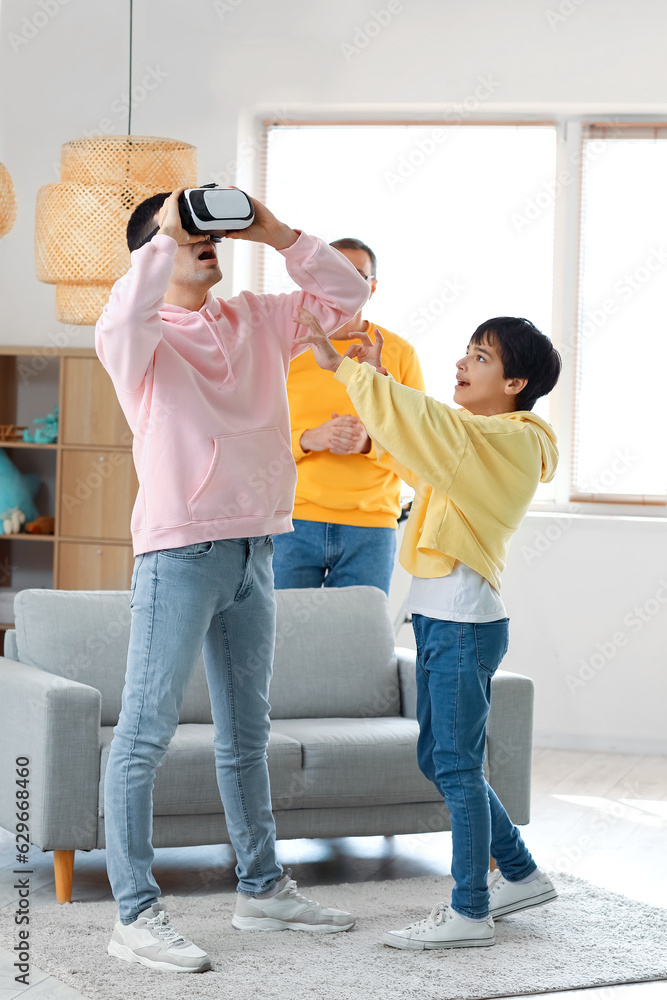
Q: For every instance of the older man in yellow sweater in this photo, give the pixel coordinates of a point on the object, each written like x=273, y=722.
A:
x=347, y=504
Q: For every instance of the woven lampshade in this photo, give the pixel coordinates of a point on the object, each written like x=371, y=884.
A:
x=7, y=201
x=80, y=223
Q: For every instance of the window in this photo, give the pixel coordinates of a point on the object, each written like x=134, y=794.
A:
x=622, y=331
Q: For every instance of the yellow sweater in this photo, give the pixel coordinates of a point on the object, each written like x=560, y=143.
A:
x=474, y=476
x=344, y=489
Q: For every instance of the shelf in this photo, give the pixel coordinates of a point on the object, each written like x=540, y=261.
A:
x=26, y=536
x=28, y=444
x=93, y=440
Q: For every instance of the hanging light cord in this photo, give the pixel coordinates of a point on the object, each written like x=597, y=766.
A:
x=129, y=96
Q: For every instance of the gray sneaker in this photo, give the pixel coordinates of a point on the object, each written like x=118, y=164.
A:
x=288, y=910
x=151, y=940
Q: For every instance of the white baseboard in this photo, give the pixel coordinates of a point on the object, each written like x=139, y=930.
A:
x=601, y=744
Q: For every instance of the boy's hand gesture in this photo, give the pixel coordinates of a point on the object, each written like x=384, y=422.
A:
x=325, y=353
x=327, y=356
x=368, y=351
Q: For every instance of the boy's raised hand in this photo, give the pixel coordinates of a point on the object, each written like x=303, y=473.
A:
x=368, y=351
x=327, y=356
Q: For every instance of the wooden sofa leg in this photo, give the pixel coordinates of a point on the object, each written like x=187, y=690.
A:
x=63, y=867
x=492, y=864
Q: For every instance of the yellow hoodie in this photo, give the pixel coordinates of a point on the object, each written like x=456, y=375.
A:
x=474, y=476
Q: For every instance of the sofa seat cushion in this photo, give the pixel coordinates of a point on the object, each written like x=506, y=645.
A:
x=185, y=783
x=358, y=761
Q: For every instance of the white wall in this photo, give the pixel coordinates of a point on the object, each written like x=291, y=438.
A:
x=221, y=66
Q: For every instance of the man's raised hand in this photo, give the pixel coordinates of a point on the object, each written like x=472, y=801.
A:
x=169, y=221
x=265, y=228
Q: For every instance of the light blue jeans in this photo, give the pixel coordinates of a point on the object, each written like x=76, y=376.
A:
x=218, y=595
x=455, y=664
x=321, y=554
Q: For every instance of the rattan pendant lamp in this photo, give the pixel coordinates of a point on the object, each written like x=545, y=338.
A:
x=80, y=223
x=7, y=201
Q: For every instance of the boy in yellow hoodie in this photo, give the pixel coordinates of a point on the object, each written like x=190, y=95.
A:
x=475, y=471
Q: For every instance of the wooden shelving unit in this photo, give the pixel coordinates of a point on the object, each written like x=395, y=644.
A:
x=88, y=479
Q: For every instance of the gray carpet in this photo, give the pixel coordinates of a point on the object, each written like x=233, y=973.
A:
x=587, y=937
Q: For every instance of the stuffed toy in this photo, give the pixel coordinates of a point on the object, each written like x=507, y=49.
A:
x=16, y=493
x=41, y=526
x=46, y=431
x=11, y=521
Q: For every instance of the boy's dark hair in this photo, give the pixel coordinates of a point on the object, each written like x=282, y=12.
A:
x=142, y=221
x=349, y=243
x=525, y=352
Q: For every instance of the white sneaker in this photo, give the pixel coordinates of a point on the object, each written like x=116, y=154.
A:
x=444, y=928
x=509, y=897
x=288, y=910
x=151, y=940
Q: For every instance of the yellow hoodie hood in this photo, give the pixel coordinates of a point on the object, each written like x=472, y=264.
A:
x=474, y=476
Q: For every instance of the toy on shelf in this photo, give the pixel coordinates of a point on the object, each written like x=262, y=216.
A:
x=10, y=432
x=16, y=494
x=41, y=526
x=46, y=432
x=11, y=521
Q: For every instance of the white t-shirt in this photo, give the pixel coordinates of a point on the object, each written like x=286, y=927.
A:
x=462, y=596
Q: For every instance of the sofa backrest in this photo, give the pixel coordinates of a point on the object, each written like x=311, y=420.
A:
x=334, y=650
x=334, y=655
x=83, y=635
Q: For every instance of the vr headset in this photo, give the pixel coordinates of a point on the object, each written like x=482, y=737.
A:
x=210, y=209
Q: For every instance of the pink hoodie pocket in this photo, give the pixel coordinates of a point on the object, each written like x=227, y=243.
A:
x=252, y=474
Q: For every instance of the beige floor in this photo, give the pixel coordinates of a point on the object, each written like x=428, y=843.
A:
x=599, y=816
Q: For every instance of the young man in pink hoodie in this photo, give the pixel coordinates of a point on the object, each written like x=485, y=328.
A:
x=201, y=381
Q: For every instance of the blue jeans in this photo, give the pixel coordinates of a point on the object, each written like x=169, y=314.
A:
x=320, y=554
x=455, y=664
x=218, y=595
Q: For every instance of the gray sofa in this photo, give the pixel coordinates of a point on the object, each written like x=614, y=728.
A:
x=342, y=753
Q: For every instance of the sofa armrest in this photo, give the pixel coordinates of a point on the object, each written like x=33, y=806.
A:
x=406, y=660
x=509, y=747
x=55, y=722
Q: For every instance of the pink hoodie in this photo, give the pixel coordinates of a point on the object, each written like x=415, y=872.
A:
x=204, y=393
